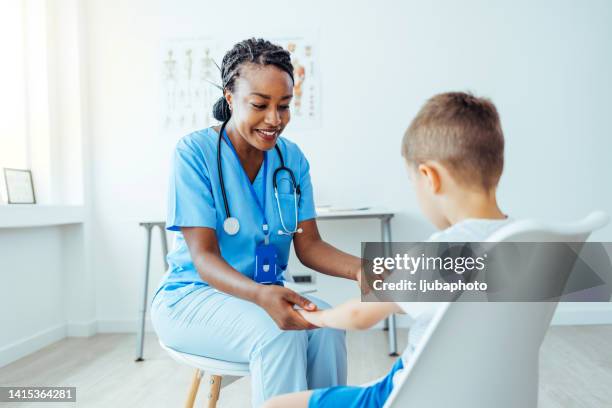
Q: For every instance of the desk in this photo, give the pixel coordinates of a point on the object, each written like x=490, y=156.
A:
x=385, y=230
x=385, y=226
x=142, y=313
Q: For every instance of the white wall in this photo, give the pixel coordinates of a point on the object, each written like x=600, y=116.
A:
x=546, y=66
x=44, y=293
x=31, y=285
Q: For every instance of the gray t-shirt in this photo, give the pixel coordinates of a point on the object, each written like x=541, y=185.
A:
x=470, y=230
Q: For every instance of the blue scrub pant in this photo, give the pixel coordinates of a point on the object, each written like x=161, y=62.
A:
x=213, y=324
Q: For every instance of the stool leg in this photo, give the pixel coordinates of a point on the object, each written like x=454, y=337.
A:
x=193, y=390
x=215, y=389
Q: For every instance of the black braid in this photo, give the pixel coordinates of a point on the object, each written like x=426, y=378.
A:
x=256, y=51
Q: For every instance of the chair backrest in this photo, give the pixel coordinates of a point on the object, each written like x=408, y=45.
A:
x=486, y=354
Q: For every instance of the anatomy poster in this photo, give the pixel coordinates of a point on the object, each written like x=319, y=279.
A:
x=188, y=72
x=306, y=104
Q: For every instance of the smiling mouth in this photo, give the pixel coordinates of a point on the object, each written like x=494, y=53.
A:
x=268, y=134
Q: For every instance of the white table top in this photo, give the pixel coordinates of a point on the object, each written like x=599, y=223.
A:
x=369, y=212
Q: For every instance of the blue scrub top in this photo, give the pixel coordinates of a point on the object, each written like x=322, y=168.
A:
x=195, y=200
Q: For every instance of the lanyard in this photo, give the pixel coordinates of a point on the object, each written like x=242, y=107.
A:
x=261, y=206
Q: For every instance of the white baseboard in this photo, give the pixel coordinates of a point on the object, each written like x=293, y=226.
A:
x=31, y=344
x=582, y=314
x=82, y=329
x=122, y=326
x=401, y=322
x=567, y=314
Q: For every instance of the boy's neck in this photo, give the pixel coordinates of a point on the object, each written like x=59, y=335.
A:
x=476, y=205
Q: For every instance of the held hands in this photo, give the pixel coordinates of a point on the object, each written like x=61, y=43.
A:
x=278, y=301
x=315, y=317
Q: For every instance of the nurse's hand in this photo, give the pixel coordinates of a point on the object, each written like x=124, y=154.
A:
x=278, y=301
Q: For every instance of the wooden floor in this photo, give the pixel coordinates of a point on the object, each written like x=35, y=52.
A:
x=576, y=370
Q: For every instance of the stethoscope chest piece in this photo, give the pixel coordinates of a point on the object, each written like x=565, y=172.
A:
x=231, y=225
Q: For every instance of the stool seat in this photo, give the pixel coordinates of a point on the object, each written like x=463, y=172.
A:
x=209, y=365
x=215, y=368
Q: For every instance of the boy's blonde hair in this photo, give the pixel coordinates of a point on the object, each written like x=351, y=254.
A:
x=462, y=132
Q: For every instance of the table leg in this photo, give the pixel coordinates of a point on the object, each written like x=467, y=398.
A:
x=164, y=243
x=392, y=337
x=390, y=322
x=143, y=310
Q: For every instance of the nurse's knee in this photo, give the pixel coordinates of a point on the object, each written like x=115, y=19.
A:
x=336, y=336
x=287, y=340
x=329, y=341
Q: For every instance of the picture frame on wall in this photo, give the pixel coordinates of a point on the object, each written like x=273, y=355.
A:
x=19, y=186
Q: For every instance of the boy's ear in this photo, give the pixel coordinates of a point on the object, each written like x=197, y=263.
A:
x=432, y=175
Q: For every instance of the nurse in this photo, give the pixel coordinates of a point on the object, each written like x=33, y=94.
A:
x=239, y=195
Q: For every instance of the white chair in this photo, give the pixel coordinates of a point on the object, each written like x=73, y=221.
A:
x=215, y=368
x=486, y=354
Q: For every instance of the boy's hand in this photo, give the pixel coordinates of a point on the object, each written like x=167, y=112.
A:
x=363, y=287
x=365, y=281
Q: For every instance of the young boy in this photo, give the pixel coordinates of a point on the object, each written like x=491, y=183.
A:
x=454, y=151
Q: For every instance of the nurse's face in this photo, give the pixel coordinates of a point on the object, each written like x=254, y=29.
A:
x=260, y=104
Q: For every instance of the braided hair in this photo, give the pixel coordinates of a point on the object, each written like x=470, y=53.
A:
x=256, y=51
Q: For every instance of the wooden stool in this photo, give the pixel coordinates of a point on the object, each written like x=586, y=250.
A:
x=215, y=368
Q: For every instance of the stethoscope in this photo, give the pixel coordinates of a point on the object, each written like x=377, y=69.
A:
x=231, y=225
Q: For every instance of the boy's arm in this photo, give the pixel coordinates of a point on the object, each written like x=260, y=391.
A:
x=352, y=315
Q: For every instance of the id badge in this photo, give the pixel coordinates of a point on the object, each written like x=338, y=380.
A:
x=265, y=263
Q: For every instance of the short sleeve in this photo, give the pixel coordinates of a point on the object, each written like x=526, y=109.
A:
x=307, y=209
x=190, y=197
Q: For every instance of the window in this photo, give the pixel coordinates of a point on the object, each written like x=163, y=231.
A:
x=40, y=97
x=13, y=107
